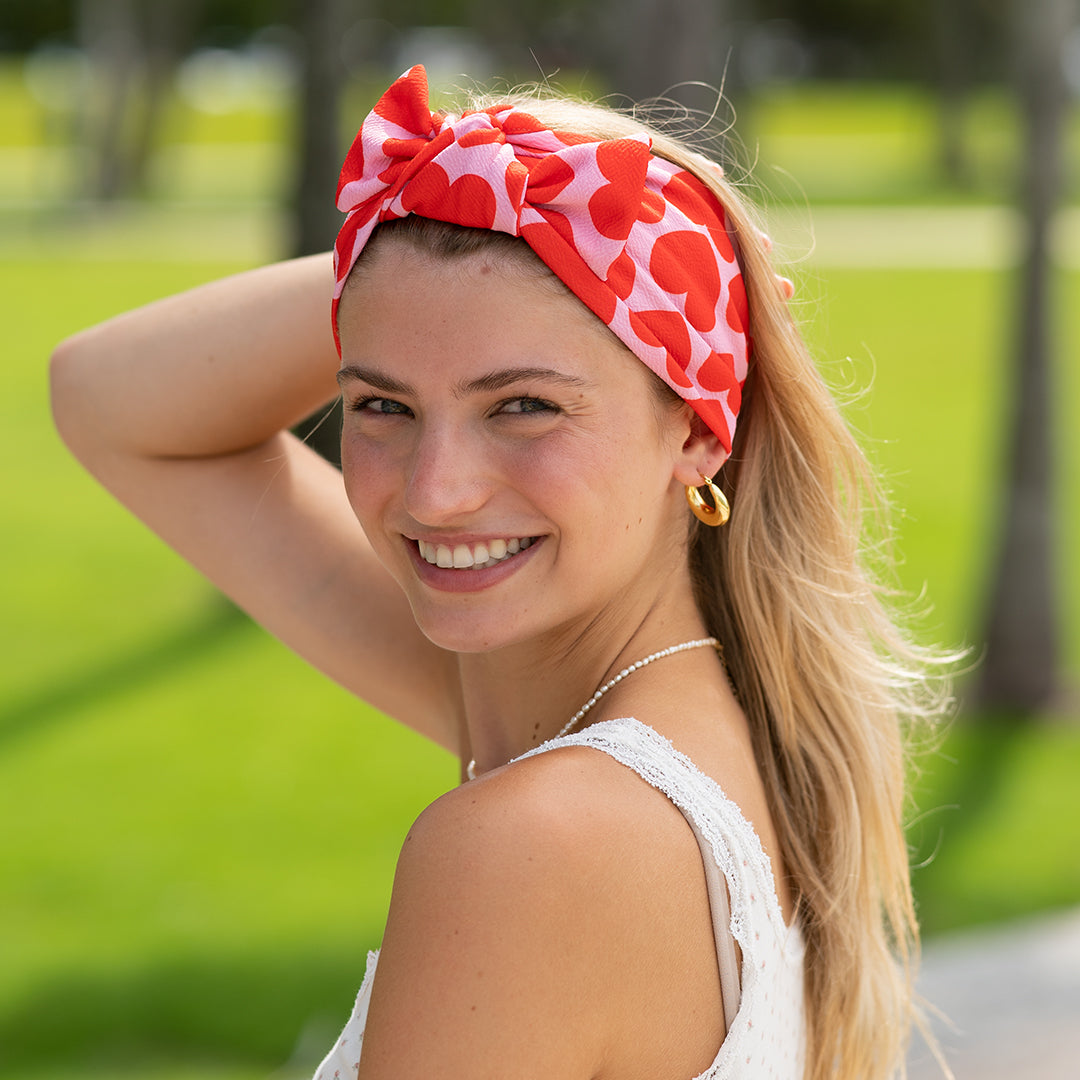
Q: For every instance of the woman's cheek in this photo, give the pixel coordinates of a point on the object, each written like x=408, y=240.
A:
x=564, y=453
x=367, y=470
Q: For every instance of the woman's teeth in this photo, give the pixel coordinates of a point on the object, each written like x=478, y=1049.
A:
x=472, y=556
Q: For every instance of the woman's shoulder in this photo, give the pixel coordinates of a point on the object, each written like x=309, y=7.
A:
x=570, y=809
x=563, y=867
x=570, y=801
x=567, y=851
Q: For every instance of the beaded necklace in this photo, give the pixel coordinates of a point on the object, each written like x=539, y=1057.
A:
x=698, y=643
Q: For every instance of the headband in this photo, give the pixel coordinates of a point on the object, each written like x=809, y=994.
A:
x=642, y=243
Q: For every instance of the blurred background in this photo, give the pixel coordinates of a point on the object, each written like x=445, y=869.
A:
x=199, y=832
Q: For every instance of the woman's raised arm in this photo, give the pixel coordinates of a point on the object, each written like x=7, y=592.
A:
x=214, y=370
x=181, y=408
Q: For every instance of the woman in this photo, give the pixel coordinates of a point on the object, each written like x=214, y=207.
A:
x=678, y=851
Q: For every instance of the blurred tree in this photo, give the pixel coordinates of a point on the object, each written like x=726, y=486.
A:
x=321, y=25
x=534, y=41
x=953, y=80
x=972, y=41
x=107, y=33
x=132, y=50
x=648, y=49
x=1020, y=671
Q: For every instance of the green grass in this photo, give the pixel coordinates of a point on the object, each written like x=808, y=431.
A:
x=997, y=829
x=930, y=348
x=879, y=144
x=204, y=851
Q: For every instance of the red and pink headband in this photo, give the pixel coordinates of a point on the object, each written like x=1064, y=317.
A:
x=644, y=244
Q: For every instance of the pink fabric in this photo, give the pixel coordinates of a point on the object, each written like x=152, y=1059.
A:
x=644, y=244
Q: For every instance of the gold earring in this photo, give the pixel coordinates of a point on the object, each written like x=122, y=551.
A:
x=718, y=513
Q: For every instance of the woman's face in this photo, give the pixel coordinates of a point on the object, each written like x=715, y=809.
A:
x=507, y=457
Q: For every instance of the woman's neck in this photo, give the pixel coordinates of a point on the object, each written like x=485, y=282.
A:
x=521, y=696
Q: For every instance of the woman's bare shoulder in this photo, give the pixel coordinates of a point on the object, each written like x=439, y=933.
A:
x=554, y=881
x=551, y=827
x=561, y=808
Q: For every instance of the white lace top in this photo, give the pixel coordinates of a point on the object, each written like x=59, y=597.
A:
x=766, y=1038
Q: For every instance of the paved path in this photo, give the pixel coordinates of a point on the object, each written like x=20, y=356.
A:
x=916, y=237
x=1013, y=993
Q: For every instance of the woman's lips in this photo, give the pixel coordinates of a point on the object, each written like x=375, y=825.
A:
x=479, y=564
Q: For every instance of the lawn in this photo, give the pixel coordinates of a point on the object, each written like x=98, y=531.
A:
x=201, y=831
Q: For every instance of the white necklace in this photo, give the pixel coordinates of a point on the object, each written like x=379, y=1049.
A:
x=698, y=643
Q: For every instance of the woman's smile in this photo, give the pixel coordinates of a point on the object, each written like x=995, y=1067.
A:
x=462, y=567
x=479, y=556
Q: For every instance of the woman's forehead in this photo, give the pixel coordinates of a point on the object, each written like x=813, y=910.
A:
x=425, y=319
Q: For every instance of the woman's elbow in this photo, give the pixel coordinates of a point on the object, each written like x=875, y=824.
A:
x=63, y=381
x=71, y=396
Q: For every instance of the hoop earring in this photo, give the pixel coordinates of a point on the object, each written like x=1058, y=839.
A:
x=718, y=513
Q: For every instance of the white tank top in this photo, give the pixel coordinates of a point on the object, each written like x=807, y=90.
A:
x=766, y=1036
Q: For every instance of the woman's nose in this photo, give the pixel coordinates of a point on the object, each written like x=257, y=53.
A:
x=449, y=478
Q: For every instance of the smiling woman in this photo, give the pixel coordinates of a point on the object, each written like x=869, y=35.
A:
x=680, y=739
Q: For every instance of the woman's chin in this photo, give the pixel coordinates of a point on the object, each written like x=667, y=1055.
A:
x=474, y=627
x=470, y=638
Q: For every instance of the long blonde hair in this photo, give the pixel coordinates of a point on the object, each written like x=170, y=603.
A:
x=826, y=677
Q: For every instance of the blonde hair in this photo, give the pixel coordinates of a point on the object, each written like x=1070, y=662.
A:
x=825, y=675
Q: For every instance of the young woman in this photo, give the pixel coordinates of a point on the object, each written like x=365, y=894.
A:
x=677, y=849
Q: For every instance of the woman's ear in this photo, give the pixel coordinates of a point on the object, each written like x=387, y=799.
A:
x=702, y=453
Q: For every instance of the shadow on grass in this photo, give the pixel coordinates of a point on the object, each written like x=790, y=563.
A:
x=219, y=621
x=258, y=1010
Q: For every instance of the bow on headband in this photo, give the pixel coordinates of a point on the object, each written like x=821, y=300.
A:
x=644, y=244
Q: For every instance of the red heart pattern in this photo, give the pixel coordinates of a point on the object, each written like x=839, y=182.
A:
x=642, y=243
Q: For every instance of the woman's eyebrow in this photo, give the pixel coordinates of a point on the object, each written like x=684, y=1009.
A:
x=498, y=380
x=488, y=383
x=375, y=379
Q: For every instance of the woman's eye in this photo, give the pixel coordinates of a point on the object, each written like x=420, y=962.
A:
x=380, y=406
x=528, y=405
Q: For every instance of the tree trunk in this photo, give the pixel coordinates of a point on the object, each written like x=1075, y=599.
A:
x=1019, y=671
x=108, y=33
x=318, y=155
x=132, y=52
x=953, y=79
x=654, y=47
x=167, y=31
x=319, y=151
